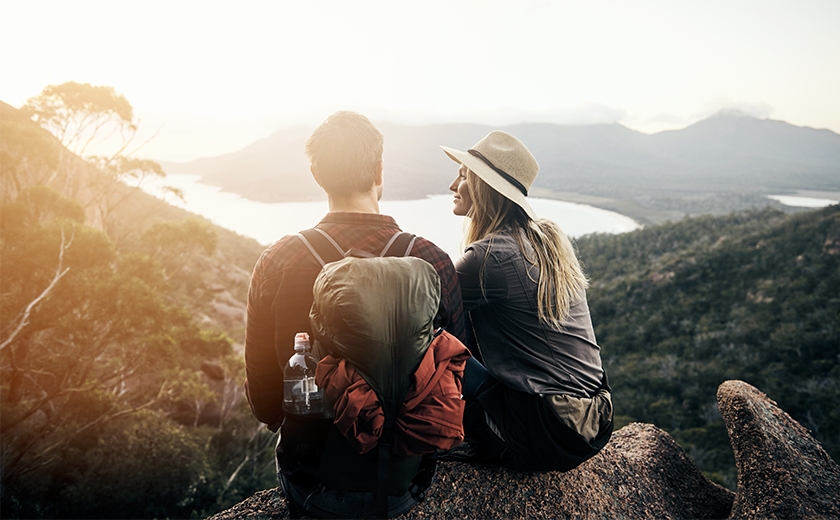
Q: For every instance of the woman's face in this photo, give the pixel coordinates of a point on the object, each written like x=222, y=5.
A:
x=463, y=201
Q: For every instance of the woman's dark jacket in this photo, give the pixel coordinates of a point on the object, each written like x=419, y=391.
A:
x=552, y=404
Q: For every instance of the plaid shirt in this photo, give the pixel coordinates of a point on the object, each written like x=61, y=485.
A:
x=280, y=297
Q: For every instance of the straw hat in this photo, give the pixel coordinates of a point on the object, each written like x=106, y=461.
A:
x=503, y=162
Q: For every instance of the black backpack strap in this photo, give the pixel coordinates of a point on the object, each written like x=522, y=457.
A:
x=390, y=408
x=400, y=244
x=424, y=478
x=321, y=245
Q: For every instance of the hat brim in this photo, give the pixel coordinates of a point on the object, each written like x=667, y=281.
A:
x=489, y=175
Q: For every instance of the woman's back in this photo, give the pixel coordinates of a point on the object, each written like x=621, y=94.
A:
x=499, y=288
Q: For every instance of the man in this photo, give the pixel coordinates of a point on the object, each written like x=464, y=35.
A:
x=345, y=155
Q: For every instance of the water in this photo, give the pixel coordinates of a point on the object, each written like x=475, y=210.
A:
x=803, y=202
x=430, y=217
x=303, y=397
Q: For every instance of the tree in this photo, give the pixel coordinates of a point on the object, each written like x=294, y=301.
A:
x=86, y=336
x=82, y=116
x=104, y=346
x=115, y=179
x=27, y=158
x=174, y=243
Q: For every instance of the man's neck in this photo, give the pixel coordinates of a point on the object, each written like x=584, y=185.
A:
x=357, y=203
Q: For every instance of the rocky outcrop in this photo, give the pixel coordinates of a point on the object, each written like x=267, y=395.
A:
x=642, y=473
x=783, y=472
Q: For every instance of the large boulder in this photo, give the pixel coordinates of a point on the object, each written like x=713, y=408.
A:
x=641, y=473
x=783, y=472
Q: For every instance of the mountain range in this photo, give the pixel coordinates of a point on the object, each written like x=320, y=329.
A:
x=728, y=161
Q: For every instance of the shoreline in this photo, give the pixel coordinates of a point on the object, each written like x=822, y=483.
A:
x=430, y=217
x=629, y=208
x=642, y=215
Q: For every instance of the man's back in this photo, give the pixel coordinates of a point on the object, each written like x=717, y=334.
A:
x=281, y=296
x=345, y=158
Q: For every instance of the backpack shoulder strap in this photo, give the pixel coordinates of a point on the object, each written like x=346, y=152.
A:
x=326, y=250
x=400, y=244
x=389, y=408
x=321, y=245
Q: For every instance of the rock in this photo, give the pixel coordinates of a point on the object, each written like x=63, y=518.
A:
x=262, y=506
x=641, y=473
x=783, y=472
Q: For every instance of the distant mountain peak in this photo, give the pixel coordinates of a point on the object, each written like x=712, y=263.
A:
x=731, y=151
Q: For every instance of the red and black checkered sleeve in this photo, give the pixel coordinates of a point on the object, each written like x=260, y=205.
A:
x=451, y=311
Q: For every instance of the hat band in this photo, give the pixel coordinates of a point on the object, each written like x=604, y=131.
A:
x=516, y=184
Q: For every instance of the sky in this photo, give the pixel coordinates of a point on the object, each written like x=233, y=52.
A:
x=208, y=78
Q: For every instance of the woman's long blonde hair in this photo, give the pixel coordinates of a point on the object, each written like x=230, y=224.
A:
x=562, y=279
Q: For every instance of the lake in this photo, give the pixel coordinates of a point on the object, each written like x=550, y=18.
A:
x=430, y=217
x=803, y=202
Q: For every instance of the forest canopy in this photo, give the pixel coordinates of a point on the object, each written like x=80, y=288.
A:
x=680, y=308
x=121, y=390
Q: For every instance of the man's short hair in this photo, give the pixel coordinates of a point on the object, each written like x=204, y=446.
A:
x=345, y=152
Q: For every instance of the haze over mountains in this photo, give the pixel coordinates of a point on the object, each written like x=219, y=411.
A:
x=728, y=161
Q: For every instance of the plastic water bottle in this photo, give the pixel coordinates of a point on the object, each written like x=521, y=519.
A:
x=301, y=396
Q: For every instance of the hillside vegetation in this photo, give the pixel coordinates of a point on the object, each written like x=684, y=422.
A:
x=120, y=389
x=682, y=307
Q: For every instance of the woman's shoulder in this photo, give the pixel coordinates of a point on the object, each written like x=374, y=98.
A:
x=502, y=238
x=499, y=244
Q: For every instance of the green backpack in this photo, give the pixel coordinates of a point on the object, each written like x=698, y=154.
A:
x=377, y=313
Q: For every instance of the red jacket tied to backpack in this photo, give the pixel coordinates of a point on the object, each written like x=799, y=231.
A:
x=429, y=417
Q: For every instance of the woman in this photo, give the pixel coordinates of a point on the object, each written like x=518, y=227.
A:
x=538, y=398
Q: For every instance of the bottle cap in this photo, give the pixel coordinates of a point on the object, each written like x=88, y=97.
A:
x=301, y=341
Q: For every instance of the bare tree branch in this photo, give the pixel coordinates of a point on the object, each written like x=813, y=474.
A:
x=144, y=143
x=59, y=273
x=235, y=473
x=45, y=453
x=107, y=416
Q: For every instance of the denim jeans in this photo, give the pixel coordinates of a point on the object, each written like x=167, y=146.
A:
x=476, y=379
